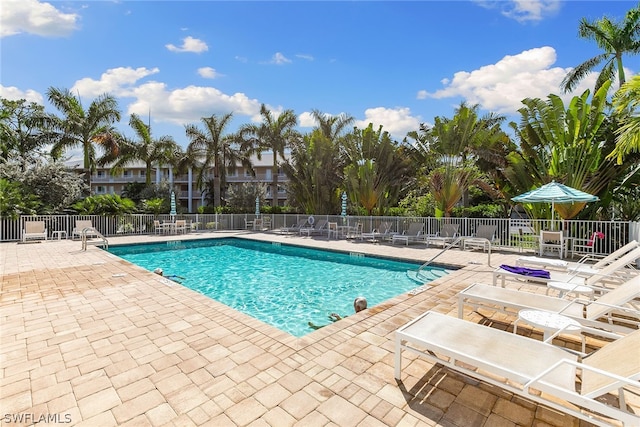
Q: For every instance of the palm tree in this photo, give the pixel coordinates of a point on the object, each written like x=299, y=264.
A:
x=447, y=186
x=148, y=150
x=275, y=135
x=615, y=39
x=376, y=171
x=315, y=174
x=331, y=126
x=213, y=149
x=563, y=144
x=85, y=128
x=456, y=145
x=626, y=101
x=24, y=131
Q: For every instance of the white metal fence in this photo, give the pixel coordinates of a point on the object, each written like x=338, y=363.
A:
x=511, y=233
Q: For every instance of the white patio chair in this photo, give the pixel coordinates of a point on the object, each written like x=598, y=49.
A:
x=483, y=238
x=84, y=226
x=34, y=230
x=181, y=226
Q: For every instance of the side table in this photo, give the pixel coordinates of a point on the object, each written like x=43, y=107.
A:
x=550, y=323
x=568, y=288
x=59, y=234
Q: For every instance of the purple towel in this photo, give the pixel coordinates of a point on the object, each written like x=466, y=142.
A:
x=532, y=272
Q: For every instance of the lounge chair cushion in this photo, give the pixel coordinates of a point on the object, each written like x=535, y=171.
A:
x=531, y=272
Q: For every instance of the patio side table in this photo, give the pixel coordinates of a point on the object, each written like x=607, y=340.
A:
x=58, y=234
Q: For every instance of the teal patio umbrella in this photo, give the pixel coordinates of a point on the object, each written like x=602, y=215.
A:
x=553, y=193
x=173, y=204
x=343, y=213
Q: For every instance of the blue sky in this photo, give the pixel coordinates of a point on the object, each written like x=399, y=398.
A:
x=395, y=64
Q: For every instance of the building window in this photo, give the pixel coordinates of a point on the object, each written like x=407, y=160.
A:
x=100, y=189
x=247, y=173
x=143, y=174
x=126, y=173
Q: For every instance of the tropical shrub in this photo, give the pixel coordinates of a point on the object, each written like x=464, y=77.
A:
x=53, y=184
x=156, y=206
x=242, y=198
x=489, y=210
x=14, y=201
x=105, y=204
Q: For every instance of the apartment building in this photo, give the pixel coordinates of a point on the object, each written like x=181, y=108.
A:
x=188, y=195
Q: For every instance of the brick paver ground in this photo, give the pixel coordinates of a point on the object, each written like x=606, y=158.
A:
x=91, y=340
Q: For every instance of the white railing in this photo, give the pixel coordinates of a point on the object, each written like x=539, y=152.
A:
x=511, y=233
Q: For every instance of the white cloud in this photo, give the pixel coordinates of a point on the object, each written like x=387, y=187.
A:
x=529, y=10
x=15, y=94
x=523, y=10
x=397, y=121
x=304, y=56
x=279, y=59
x=188, y=105
x=177, y=106
x=208, y=73
x=306, y=120
x=33, y=17
x=501, y=87
x=115, y=81
x=189, y=44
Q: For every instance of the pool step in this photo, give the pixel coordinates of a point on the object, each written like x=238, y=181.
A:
x=422, y=276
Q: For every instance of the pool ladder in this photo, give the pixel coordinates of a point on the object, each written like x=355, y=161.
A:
x=421, y=275
x=103, y=240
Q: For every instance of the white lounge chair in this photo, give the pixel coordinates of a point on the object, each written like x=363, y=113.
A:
x=34, y=230
x=295, y=228
x=582, y=264
x=610, y=274
x=446, y=235
x=383, y=232
x=527, y=367
x=85, y=226
x=412, y=234
x=510, y=301
x=483, y=238
x=319, y=227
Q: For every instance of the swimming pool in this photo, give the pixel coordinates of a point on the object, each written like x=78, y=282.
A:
x=285, y=286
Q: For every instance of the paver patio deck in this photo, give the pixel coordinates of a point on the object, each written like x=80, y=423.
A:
x=89, y=339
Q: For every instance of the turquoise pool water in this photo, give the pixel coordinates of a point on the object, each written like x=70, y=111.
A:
x=285, y=286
